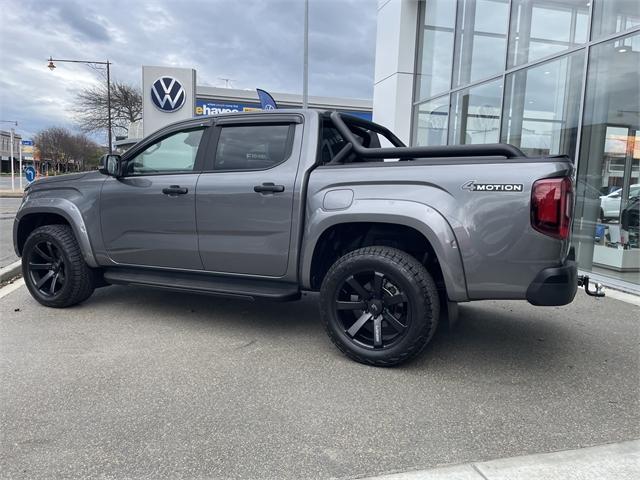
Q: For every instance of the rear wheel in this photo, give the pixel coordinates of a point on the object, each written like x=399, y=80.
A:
x=380, y=306
x=53, y=268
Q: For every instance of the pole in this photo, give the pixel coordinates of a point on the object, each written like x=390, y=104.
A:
x=13, y=179
x=20, y=156
x=305, y=72
x=109, y=106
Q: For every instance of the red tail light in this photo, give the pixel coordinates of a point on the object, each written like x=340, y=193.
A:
x=551, y=206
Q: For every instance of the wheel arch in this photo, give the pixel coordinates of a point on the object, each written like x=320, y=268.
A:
x=38, y=212
x=417, y=226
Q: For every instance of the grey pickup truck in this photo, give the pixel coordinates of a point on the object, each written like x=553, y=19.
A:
x=268, y=205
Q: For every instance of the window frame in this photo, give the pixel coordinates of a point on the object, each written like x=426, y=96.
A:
x=197, y=164
x=212, y=150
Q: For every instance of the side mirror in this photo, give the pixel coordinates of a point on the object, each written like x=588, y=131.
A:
x=110, y=165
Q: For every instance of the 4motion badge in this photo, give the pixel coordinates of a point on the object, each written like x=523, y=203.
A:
x=472, y=186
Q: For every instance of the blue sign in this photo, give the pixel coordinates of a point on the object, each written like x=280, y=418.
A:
x=30, y=173
x=27, y=143
x=266, y=100
x=213, y=107
x=168, y=94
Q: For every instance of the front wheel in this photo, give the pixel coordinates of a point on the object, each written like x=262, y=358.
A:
x=379, y=305
x=53, y=268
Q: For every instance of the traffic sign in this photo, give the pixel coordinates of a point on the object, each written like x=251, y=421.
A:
x=30, y=174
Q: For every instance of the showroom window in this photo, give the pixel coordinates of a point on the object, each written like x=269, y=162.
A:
x=542, y=106
x=436, y=47
x=475, y=114
x=607, y=208
x=613, y=16
x=481, y=39
x=540, y=28
x=432, y=122
x=516, y=71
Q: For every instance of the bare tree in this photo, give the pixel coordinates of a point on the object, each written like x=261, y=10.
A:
x=91, y=108
x=66, y=151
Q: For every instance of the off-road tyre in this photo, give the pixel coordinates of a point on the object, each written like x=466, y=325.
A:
x=405, y=275
x=76, y=280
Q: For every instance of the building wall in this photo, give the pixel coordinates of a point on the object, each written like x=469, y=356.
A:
x=548, y=76
x=395, y=65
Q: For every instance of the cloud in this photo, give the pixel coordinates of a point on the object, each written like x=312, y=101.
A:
x=256, y=43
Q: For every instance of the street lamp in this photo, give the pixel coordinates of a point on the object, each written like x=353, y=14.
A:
x=52, y=65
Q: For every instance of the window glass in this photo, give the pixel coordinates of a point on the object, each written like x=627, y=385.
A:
x=251, y=147
x=436, y=48
x=540, y=28
x=431, y=123
x=541, y=106
x=606, y=231
x=482, y=39
x=612, y=16
x=476, y=114
x=175, y=153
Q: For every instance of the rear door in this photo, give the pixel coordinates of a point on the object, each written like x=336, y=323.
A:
x=245, y=198
x=148, y=215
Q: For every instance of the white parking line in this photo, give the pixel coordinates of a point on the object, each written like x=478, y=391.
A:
x=622, y=296
x=12, y=287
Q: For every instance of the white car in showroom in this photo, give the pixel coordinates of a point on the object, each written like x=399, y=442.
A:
x=610, y=204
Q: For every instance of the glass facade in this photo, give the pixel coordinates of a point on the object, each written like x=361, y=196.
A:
x=550, y=77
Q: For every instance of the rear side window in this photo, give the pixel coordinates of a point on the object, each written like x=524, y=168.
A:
x=253, y=147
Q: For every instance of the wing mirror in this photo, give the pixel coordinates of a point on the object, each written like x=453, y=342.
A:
x=110, y=164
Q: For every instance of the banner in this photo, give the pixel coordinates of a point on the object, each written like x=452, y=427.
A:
x=266, y=101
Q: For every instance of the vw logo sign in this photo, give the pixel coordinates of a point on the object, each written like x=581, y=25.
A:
x=268, y=106
x=168, y=94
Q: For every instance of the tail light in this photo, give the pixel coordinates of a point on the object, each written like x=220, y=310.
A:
x=551, y=206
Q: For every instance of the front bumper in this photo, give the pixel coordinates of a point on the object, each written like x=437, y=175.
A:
x=554, y=286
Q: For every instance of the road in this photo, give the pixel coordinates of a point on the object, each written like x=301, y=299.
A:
x=138, y=383
x=8, y=209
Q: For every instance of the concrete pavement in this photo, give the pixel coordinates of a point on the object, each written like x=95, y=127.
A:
x=139, y=383
x=618, y=461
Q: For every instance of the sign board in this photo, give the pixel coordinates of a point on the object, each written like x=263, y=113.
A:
x=168, y=95
x=27, y=149
x=29, y=174
x=210, y=107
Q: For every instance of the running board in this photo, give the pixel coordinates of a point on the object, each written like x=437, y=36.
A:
x=248, y=289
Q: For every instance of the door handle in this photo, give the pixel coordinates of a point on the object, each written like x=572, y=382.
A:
x=268, y=187
x=175, y=190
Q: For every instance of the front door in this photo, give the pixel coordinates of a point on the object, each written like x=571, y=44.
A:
x=148, y=214
x=244, y=202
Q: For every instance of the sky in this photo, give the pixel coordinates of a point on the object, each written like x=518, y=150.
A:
x=256, y=43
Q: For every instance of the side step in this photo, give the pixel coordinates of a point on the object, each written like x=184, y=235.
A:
x=248, y=289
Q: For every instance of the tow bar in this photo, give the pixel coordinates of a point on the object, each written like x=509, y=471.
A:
x=598, y=291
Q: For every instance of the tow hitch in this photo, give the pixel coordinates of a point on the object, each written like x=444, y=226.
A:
x=598, y=288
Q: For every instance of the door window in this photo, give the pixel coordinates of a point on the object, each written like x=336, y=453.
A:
x=173, y=154
x=253, y=147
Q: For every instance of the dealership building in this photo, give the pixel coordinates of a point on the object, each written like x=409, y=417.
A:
x=548, y=76
x=204, y=100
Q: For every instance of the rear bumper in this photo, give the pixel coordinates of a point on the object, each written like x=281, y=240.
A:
x=554, y=286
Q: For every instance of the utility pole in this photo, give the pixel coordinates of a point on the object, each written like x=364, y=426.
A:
x=13, y=175
x=305, y=71
x=20, y=168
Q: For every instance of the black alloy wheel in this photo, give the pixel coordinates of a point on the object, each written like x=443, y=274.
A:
x=379, y=305
x=373, y=309
x=54, y=269
x=47, y=268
